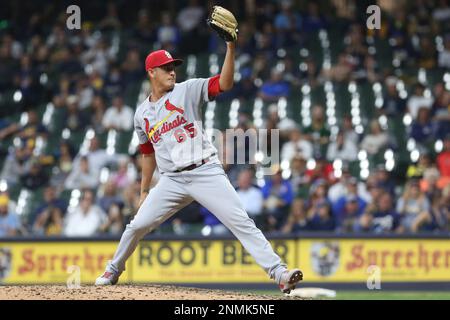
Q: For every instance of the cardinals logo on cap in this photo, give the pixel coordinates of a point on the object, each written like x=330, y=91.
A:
x=168, y=55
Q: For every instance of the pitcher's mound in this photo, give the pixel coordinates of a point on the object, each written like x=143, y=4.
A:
x=124, y=292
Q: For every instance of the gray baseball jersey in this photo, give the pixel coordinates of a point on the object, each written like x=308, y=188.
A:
x=173, y=126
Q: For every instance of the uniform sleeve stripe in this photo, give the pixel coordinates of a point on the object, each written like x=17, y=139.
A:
x=214, y=86
x=146, y=148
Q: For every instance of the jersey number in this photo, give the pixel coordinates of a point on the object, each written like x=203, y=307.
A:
x=180, y=134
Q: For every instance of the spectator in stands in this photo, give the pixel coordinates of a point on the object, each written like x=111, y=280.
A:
x=444, y=55
x=340, y=71
x=416, y=170
x=356, y=48
x=322, y=170
x=320, y=217
x=379, y=217
x=429, y=182
x=50, y=200
x=189, y=19
x=110, y=196
x=443, y=163
x=7, y=129
x=426, y=53
x=287, y=24
x=422, y=128
x=275, y=88
x=32, y=129
x=403, y=54
x=441, y=12
x=132, y=66
x=130, y=197
x=345, y=150
x=86, y=219
x=374, y=188
x=250, y=195
x=346, y=186
x=297, y=220
x=167, y=34
x=278, y=197
x=291, y=72
x=114, y=83
x=98, y=57
x=265, y=42
x=123, y=177
x=439, y=217
x=9, y=221
x=97, y=157
x=114, y=225
x=84, y=93
x=63, y=164
x=35, y=177
x=17, y=163
x=296, y=146
x=310, y=73
x=299, y=179
x=12, y=205
x=28, y=132
x=418, y=100
x=351, y=190
x=348, y=213
x=412, y=206
x=339, y=188
x=376, y=140
x=273, y=121
x=111, y=20
x=348, y=131
x=49, y=222
x=393, y=105
x=74, y=119
x=440, y=111
x=144, y=30
x=317, y=132
x=98, y=113
x=213, y=226
x=82, y=176
x=313, y=21
x=118, y=116
x=25, y=80
x=384, y=179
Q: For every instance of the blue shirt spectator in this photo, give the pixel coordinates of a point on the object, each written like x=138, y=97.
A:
x=287, y=20
x=9, y=221
x=279, y=188
x=381, y=217
x=50, y=200
x=347, y=210
x=422, y=129
x=278, y=196
x=275, y=88
x=313, y=21
x=322, y=219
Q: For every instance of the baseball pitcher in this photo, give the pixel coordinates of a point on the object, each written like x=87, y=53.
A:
x=172, y=139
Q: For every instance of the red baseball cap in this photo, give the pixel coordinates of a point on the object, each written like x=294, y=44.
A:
x=159, y=58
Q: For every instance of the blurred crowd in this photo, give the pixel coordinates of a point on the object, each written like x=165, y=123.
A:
x=84, y=73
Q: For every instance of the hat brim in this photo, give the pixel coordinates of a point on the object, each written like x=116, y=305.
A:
x=176, y=62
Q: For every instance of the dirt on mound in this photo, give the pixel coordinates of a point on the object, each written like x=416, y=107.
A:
x=123, y=292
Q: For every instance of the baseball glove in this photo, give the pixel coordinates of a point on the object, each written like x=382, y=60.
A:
x=224, y=23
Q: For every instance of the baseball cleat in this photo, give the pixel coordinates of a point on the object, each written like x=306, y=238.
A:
x=107, y=279
x=289, y=280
